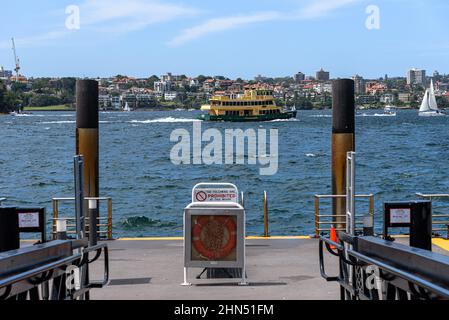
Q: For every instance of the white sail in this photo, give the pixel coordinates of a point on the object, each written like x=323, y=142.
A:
x=432, y=100
x=425, y=103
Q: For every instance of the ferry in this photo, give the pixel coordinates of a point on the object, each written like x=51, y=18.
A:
x=253, y=105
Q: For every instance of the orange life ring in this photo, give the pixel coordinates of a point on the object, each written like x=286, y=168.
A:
x=222, y=252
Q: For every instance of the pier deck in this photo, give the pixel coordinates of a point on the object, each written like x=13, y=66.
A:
x=277, y=269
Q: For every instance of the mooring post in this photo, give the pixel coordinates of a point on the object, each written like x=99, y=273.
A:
x=343, y=141
x=87, y=144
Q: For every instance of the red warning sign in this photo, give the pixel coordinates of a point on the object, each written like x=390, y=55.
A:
x=201, y=196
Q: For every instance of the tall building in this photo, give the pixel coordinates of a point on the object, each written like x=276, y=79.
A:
x=359, y=84
x=167, y=77
x=299, y=77
x=165, y=85
x=162, y=86
x=416, y=76
x=322, y=75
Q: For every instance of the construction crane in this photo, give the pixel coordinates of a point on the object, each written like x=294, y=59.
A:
x=16, y=60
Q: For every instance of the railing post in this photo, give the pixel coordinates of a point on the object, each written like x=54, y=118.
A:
x=109, y=218
x=265, y=207
x=55, y=216
x=317, y=216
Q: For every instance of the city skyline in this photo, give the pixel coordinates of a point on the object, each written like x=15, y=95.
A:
x=276, y=39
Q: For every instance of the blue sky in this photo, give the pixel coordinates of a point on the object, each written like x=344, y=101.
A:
x=234, y=38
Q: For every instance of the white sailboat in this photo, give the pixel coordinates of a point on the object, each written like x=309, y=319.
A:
x=127, y=108
x=429, y=106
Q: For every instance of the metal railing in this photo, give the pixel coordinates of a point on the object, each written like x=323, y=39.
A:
x=104, y=223
x=400, y=272
x=327, y=220
x=438, y=220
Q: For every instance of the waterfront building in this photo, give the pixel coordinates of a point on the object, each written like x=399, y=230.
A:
x=170, y=96
x=129, y=98
x=104, y=101
x=387, y=98
x=405, y=97
x=367, y=99
x=416, y=77
x=115, y=102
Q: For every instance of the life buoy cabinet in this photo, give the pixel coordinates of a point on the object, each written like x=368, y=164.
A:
x=212, y=254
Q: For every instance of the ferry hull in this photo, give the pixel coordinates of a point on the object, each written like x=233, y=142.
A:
x=265, y=117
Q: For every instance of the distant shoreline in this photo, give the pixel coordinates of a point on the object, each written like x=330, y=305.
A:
x=62, y=108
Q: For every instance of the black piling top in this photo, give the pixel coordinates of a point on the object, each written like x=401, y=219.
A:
x=343, y=105
x=87, y=104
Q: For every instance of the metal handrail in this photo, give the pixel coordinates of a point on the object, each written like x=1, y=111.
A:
x=108, y=232
x=402, y=274
x=39, y=270
x=318, y=216
x=436, y=224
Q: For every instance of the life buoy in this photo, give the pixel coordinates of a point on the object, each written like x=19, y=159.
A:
x=226, y=250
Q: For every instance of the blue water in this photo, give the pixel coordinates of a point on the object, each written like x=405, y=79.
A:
x=397, y=156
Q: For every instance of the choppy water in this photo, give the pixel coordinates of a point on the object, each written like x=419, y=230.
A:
x=397, y=156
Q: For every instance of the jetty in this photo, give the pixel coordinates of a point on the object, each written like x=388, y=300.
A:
x=282, y=268
x=348, y=258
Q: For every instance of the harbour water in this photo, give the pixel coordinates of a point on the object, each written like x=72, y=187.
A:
x=397, y=156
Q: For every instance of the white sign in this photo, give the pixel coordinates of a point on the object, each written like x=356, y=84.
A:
x=29, y=220
x=215, y=195
x=400, y=216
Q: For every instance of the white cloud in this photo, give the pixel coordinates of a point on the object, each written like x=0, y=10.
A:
x=222, y=24
x=112, y=16
x=321, y=8
x=130, y=15
x=314, y=9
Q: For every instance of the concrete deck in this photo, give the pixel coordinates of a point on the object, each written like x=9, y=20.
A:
x=277, y=270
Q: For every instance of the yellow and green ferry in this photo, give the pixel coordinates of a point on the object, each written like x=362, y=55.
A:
x=253, y=105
